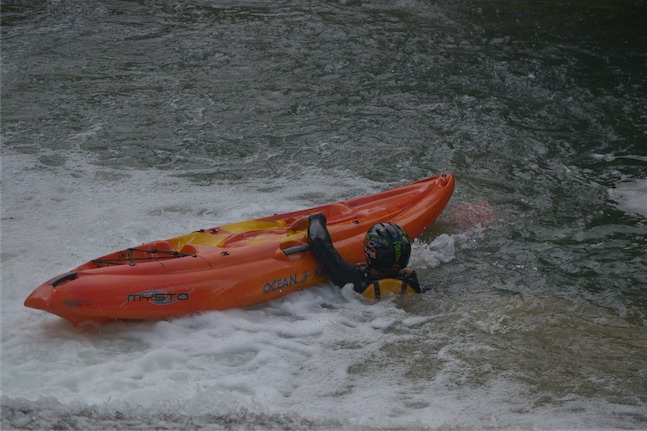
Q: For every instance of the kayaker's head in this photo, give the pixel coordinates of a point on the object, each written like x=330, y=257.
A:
x=387, y=248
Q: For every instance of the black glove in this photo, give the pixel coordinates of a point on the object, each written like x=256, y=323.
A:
x=318, y=217
x=317, y=230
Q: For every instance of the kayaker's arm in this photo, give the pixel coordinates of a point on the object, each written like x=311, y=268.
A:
x=338, y=270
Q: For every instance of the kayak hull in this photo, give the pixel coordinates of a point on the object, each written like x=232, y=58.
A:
x=231, y=266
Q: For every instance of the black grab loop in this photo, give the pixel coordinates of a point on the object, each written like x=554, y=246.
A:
x=61, y=278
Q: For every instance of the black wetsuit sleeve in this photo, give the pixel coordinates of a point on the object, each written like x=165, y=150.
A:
x=338, y=270
x=413, y=282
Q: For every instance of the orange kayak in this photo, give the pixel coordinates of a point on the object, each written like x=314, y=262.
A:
x=234, y=265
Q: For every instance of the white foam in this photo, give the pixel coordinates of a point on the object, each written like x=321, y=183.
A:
x=612, y=157
x=631, y=196
x=442, y=249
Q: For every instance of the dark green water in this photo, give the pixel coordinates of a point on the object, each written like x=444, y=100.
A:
x=128, y=121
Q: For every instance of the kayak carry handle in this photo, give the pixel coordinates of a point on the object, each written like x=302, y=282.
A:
x=296, y=249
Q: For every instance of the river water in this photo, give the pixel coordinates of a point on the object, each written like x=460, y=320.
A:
x=129, y=121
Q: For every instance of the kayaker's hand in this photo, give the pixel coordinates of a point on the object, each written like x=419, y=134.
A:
x=319, y=217
x=317, y=229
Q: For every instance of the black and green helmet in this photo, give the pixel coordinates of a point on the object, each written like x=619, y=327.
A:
x=387, y=247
